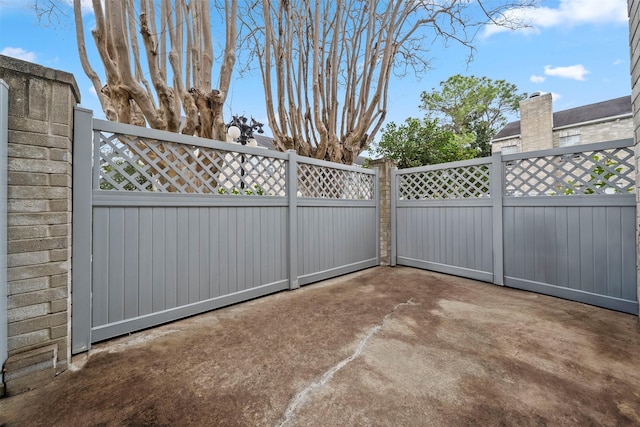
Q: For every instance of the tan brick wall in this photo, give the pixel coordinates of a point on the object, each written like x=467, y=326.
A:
x=384, y=167
x=536, y=123
x=589, y=133
x=499, y=145
x=634, y=41
x=41, y=102
x=600, y=132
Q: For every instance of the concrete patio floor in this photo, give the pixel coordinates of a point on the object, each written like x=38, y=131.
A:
x=385, y=346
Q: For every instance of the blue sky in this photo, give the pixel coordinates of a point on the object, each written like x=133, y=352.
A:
x=576, y=49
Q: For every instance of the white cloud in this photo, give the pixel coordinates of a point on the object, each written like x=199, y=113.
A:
x=92, y=91
x=573, y=72
x=537, y=79
x=618, y=62
x=568, y=13
x=19, y=53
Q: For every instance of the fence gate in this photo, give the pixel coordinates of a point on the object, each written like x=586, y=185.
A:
x=167, y=226
x=559, y=222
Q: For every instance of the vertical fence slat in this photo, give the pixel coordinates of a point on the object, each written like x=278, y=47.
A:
x=4, y=125
x=562, y=247
x=496, y=189
x=224, y=255
x=614, y=252
x=600, y=250
x=158, y=281
x=576, y=272
x=170, y=257
x=81, y=233
x=394, y=217
x=131, y=268
x=376, y=192
x=292, y=232
x=214, y=256
x=183, y=256
x=116, y=265
x=205, y=255
x=629, y=257
x=100, y=292
x=145, y=257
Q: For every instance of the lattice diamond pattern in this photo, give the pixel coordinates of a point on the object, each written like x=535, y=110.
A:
x=452, y=183
x=594, y=172
x=328, y=183
x=138, y=164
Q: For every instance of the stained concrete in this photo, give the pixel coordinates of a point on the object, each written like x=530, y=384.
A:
x=386, y=346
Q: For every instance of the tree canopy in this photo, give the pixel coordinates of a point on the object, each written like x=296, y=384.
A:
x=474, y=106
x=459, y=122
x=418, y=142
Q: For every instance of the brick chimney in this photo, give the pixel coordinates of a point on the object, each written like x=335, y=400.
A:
x=536, y=122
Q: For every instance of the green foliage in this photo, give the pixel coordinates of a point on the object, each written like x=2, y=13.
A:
x=418, y=142
x=599, y=178
x=118, y=177
x=256, y=191
x=477, y=106
x=460, y=121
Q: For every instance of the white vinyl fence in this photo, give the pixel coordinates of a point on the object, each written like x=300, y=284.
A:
x=167, y=226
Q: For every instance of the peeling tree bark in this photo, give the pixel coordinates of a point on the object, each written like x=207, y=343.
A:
x=326, y=65
x=185, y=27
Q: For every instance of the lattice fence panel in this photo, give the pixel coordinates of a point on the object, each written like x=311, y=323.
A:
x=592, y=172
x=131, y=163
x=328, y=183
x=463, y=182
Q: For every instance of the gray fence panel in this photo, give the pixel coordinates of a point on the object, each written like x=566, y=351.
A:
x=182, y=225
x=179, y=264
x=4, y=126
x=443, y=218
x=582, y=253
x=561, y=222
x=334, y=240
x=453, y=240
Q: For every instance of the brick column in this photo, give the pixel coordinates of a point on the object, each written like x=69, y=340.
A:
x=384, y=167
x=634, y=41
x=41, y=102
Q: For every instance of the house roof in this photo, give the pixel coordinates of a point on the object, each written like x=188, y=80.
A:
x=573, y=116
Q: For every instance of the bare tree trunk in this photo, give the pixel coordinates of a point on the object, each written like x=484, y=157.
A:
x=126, y=96
x=326, y=65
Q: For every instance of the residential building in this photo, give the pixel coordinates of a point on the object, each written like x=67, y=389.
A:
x=539, y=128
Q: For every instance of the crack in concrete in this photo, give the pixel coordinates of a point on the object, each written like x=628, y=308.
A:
x=301, y=398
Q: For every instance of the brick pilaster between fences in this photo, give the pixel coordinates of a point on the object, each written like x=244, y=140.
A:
x=41, y=102
x=385, y=166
